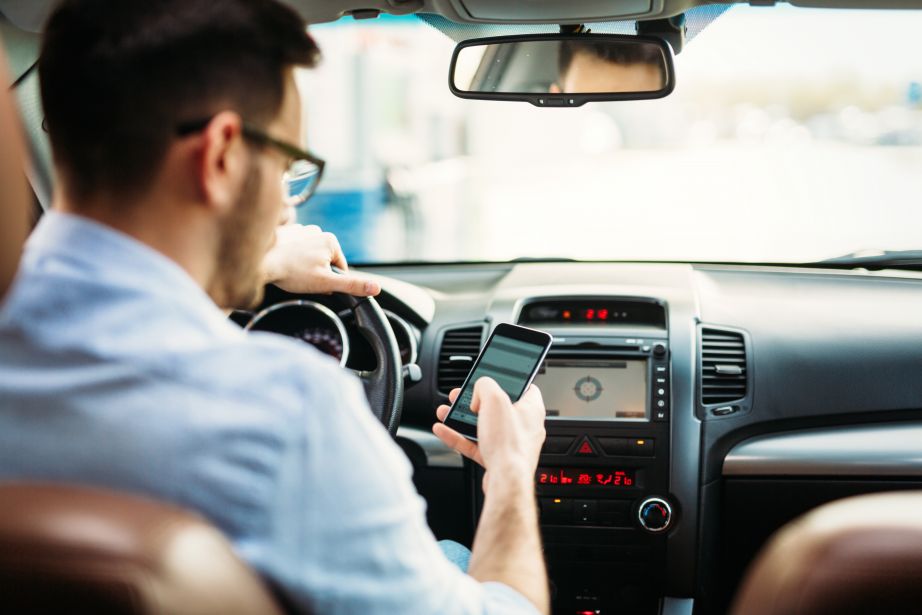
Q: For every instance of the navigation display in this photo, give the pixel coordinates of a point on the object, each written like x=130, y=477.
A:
x=595, y=389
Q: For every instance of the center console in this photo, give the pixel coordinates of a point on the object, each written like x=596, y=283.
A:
x=603, y=478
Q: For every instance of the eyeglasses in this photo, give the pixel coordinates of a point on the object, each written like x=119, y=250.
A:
x=301, y=179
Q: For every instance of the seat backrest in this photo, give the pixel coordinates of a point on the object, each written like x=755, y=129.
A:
x=84, y=550
x=860, y=555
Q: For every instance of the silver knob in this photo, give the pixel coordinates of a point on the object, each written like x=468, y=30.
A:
x=654, y=515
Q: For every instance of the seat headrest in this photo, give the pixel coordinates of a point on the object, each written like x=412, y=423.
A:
x=75, y=549
x=860, y=555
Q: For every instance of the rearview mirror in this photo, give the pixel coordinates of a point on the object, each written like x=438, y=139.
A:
x=558, y=70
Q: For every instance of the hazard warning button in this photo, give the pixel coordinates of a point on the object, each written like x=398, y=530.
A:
x=585, y=448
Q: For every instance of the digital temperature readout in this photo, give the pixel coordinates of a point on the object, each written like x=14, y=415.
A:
x=593, y=311
x=591, y=477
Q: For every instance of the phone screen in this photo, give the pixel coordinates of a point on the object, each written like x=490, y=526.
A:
x=510, y=362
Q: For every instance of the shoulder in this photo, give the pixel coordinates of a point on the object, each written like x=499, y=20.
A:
x=283, y=370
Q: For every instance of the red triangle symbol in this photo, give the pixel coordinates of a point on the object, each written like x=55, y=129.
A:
x=585, y=449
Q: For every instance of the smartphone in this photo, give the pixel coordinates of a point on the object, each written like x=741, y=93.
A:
x=512, y=357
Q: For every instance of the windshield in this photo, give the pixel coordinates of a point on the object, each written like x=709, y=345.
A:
x=793, y=135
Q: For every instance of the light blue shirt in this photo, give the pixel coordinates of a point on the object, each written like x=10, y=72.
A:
x=117, y=370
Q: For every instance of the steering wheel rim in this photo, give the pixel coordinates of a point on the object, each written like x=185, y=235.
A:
x=383, y=385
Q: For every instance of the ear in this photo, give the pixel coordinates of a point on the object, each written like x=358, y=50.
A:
x=223, y=164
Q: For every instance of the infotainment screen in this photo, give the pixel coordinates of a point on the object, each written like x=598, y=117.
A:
x=595, y=389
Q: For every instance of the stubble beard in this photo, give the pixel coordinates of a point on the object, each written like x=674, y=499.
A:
x=239, y=280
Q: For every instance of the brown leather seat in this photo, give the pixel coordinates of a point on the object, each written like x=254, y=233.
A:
x=66, y=549
x=860, y=555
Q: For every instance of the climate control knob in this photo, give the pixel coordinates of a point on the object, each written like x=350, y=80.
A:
x=654, y=515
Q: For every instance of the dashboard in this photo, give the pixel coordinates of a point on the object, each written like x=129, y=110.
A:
x=692, y=409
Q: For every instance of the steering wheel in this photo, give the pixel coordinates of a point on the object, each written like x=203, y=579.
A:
x=383, y=385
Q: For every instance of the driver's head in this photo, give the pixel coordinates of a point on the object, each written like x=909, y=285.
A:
x=587, y=67
x=118, y=80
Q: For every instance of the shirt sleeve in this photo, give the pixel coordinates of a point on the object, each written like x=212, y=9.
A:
x=350, y=529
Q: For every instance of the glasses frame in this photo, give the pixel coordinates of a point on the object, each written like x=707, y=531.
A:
x=260, y=137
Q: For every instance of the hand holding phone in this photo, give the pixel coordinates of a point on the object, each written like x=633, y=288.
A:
x=510, y=435
x=511, y=357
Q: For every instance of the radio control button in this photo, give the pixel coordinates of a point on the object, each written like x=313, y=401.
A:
x=614, y=446
x=615, y=513
x=660, y=392
x=585, y=511
x=557, y=445
x=661, y=415
x=659, y=350
x=556, y=510
x=641, y=447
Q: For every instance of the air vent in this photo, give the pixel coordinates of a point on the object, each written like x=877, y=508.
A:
x=723, y=366
x=456, y=357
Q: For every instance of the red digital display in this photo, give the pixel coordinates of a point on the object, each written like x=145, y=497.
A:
x=591, y=477
x=599, y=312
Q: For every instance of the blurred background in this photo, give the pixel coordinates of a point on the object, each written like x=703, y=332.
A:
x=793, y=135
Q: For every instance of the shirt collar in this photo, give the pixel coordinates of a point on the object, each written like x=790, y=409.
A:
x=120, y=259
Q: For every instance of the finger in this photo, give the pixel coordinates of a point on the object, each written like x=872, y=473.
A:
x=455, y=441
x=442, y=411
x=337, y=257
x=353, y=285
x=453, y=395
x=487, y=390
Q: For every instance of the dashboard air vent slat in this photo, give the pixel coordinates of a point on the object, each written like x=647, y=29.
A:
x=724, y=371
x=456, y=356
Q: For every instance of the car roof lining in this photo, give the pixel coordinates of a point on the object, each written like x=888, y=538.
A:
x=696, y=21
x=29, y=15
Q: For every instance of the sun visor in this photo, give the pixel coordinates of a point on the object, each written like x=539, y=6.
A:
x=557, y=11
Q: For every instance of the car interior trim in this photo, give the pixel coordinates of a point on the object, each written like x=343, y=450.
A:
x=838, y=451
x=438, y=455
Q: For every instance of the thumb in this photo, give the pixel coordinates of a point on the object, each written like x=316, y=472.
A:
x=487, y=390
x=353, y=285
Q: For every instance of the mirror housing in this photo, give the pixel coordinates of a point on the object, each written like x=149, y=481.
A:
x=562, y=70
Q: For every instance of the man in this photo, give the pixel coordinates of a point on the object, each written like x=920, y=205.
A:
x=171, y=124
x=585, y=68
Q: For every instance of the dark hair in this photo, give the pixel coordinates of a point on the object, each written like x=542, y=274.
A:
x=119, y=76
x=617, y=54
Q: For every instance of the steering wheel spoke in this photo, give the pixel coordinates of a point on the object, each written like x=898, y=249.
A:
x=383, y=385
